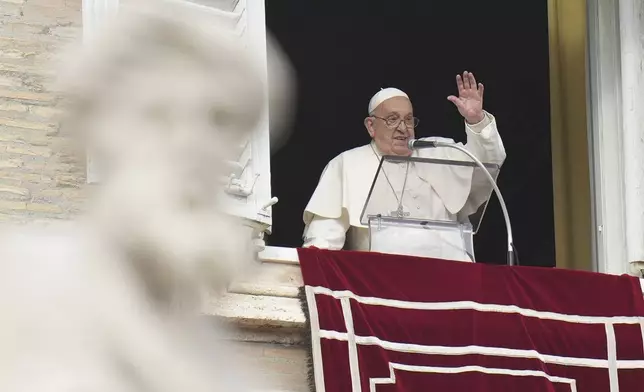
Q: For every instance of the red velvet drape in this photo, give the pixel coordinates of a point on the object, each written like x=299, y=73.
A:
x=397, y=323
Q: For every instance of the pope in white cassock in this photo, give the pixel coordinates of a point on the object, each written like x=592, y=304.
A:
x=332, y=216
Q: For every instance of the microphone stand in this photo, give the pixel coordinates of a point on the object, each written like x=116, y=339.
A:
x=511, y=255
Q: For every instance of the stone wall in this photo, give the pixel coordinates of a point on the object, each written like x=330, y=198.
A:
x=39, y=179
x=282, y=367
x=268, y=318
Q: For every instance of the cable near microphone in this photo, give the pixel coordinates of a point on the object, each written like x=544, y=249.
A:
x=416, y=143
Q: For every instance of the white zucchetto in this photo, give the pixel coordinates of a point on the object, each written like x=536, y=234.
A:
x=383, y=95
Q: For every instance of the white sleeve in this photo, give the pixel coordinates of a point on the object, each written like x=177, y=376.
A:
x=480, y=126
x=484, y=141
x=326, y=233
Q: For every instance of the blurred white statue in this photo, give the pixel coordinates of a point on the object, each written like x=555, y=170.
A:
x=110, y=302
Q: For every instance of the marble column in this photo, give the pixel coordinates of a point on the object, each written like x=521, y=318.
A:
x=631, y=22
x=94, y=13
x=616, y=86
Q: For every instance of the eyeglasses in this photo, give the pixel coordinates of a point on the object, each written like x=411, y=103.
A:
x=394, y=122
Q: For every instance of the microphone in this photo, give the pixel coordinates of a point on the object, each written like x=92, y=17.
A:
x=415, y=143
x=418, y=144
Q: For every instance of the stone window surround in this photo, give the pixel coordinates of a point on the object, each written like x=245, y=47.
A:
x=616, y=133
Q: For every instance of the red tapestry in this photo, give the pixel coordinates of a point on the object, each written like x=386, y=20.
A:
x=396, y=323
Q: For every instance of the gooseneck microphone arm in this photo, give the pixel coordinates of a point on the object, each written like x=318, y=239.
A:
x=416, y=144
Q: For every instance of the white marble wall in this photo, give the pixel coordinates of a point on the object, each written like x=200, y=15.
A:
x=631, y=17
x=616, y=98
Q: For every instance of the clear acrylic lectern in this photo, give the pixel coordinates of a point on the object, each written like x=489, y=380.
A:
x=427, y=207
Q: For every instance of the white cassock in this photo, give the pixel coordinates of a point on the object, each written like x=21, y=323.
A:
x=434, y=192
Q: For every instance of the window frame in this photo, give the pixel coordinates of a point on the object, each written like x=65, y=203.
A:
x=615, y=99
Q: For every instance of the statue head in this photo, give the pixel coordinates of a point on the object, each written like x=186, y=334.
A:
x=162, y=97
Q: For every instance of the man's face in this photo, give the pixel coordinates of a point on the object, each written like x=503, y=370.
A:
x=391, y=126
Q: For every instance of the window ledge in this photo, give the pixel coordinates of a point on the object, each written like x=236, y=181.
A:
x=267, y=304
